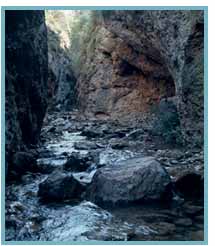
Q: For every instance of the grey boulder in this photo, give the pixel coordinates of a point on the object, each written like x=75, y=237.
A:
x=60, y=186
x=132, y=180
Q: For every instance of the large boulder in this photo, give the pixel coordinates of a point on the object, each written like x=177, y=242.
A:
x=60, y=186
x=132, y=180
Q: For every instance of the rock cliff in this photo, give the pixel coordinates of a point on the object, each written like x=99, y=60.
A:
x=133, y=59
x=26, y=79
x=61, y=79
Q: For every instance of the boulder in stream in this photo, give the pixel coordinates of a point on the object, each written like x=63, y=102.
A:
x=77, y=163
x=132, y=180
x=60, y=186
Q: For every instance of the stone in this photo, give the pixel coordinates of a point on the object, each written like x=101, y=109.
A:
x=16, y=207
x=90, y=133
x=61, y=77
x=23, y=162
x=164, y=228
x=184, y=222
x=85, y=222
x=136, y=179
x=86, y=145
x=192, y=210
x=118, y=143
x=152, y=217
x=60, y=186
x=135, y=133
x=26, y=87
x=76, y=163
x=137, y=59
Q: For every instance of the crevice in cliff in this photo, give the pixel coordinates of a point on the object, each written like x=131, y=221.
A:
x=61, y=80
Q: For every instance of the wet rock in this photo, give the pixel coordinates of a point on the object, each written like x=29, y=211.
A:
x=76, y=163
x=48, y=165
x=51, y=129
x=152, y=217
x=85, y=222
x=86, y=145
x=184, y=222
x=192, y=210
x=120, y=133
x=60, y=186
x=16, y=207
x=118, y=143
x=23, y=162
x=164, y=228
x=111, y=156
x=135, y=134
x=84, y=178
x=129, y=181
x=90, y=133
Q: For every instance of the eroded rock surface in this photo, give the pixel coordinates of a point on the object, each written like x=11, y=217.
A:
x=129, y=181
x=26, y=78
x=136, y=58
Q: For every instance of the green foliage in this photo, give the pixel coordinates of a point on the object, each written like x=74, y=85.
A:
x=81, y=29
x=167, y=124
x=73, y=31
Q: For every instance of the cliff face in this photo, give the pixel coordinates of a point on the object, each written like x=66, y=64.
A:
x=118, y=80
x=26, y=78
x=61, y=79
x=135, y=58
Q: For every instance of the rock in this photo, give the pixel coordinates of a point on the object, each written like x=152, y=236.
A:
x=135, y=134
x=16, y=207
x=26, y=83
x=61, y=79
x=184, y=222
x=152, y=217
x=120, y=133
x=85, y=222
x=192, y=210
x=118, y=143
x=174, y=162
x=129, y=181
x=60, y=186
x=164, y=228
x=23, y=162
x=48, y=165
x=139, y=58
x=76, y=163
x=86, y=145
x=51, y=129
x=90, y=133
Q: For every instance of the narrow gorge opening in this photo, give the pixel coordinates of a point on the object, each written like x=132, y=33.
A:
x=102, y=75
x=104, y=126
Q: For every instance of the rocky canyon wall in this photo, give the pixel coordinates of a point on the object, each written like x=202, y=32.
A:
x=26, y=79
x=61, y=79
x=134, y=59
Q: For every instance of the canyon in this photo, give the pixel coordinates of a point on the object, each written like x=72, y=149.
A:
x=104, y=125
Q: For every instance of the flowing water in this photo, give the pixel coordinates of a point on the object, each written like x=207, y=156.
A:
x=28, y=218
